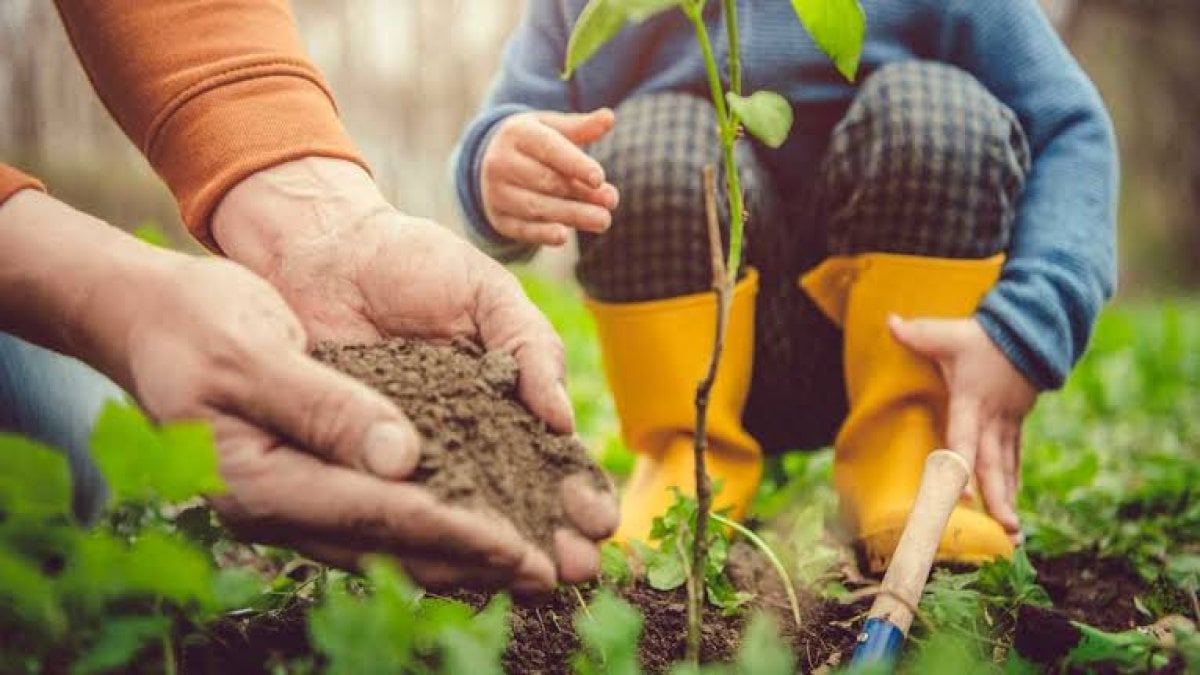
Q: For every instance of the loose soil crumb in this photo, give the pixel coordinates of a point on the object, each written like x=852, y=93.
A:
x=483, y=449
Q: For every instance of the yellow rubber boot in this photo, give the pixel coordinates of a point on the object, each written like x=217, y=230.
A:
x=898, y=400
x=654, y=355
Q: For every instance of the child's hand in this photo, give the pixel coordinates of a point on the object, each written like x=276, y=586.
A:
x=537, y=182
x=989, y=400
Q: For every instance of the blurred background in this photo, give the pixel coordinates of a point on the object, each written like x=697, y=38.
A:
x=409, y=74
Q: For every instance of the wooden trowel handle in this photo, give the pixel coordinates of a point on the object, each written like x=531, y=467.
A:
x=946, y=475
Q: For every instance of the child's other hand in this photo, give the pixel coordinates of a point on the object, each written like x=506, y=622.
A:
x=537, y=183
x=989, y=400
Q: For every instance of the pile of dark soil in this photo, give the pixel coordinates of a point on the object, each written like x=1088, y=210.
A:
x=482, y=448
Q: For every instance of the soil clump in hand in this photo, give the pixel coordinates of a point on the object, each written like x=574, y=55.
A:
x=482, y=448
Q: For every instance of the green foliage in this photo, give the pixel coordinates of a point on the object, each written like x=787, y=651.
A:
x=96, y=598
x=1012, y=583
x=762, y=651
x=609, y=631
x=600, y=21
x=1129, y=651
x=614, y=565
x=765, y=114
x=393, y=629
x=667, y=560
x=146, y=464
x=838, y=27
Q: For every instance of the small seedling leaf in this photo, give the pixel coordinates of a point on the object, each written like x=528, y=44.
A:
x=838, y=27
x=609, y=630
x=763, y=652
x=119, y=640
x=765, y=114
x=614, y=565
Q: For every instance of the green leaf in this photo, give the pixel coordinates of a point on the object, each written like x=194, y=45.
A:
x=600, y=21
x=838, y=27
x=235, y=588
x=1129, y=649
x=28, y=595
x=142, y=463
x=665, y=571
x=156, y=565
x=120, y=639
x=477, y=644
x=343, y=624
x=763, y=652
x=614, y=565
x=638, y=11
x=765, y=114
x=609, y=630
x=34, y=479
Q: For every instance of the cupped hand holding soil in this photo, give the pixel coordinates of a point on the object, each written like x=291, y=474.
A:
x=483, y=450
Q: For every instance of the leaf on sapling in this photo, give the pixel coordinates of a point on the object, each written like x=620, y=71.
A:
x=609, y=631
x=119, y=640
x=142, y=463
x=763, y=651
x=600, y=21
x=838, y=27
x=765, y=114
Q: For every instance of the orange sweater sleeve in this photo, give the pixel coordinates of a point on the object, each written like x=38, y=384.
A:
x=13, y=181
x=211, y=92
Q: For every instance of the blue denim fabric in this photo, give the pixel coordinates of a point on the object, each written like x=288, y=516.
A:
x=55, y=399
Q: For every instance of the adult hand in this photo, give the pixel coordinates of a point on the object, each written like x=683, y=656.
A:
x=356, y=270
x=205, y=339
x=989, y=400
x=537, y=183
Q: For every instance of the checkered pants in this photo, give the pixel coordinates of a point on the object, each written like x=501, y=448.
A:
x=925, y=162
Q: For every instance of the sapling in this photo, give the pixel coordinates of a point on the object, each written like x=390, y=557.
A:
x=838, y=28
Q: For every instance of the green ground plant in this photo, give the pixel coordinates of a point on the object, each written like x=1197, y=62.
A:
x=88, y=601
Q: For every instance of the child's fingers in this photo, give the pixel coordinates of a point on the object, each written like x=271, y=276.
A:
x=543, y=234
x=533, y=207
x=606, y=195
x=548, y=146
x=530, y=174
x=581, y=128
x=992, y=468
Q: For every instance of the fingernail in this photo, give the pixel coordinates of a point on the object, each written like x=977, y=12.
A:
x=894, y=321
x=391, y=450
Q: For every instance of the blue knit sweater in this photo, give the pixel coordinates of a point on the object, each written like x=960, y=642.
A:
x=1061, y=265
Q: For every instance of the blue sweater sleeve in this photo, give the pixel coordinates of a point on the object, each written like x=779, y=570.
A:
x=1062, y=261
x=528, y=80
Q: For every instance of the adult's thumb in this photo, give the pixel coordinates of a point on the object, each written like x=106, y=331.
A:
x=580, y=128
x=334, y=417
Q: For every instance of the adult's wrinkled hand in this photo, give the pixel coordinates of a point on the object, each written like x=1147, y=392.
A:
x=989, y=400
x=354, y=269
